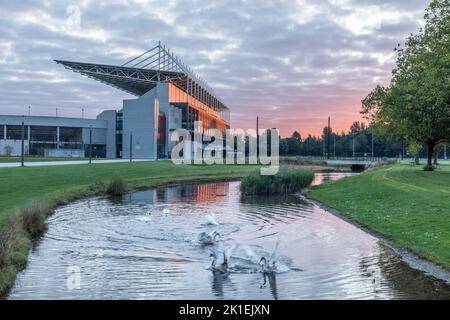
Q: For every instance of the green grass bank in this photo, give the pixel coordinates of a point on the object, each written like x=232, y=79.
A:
x=400, y=202
x=28, y=195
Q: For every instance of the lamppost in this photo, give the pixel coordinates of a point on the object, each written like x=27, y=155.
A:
x=403, y=147
x=90, y=144
x=373, y=156
x=257, y=136
x=353, y=142
x=131, y=146
x=22, y=151
x=334, y=146
x=328, y=139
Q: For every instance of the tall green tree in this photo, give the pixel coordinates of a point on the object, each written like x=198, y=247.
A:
x=416, y=105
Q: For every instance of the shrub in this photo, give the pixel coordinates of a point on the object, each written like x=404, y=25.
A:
x=284, y=182
x=33, y=219
x=7, y=239
x=116, y=187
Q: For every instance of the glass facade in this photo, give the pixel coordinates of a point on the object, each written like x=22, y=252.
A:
x=15, y=132
x=43, y=134
x=70, y=138
x=68, y=134
x=98, y=150
x=119, y=134
x=194, y=110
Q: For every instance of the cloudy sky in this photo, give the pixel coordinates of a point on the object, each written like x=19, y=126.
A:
x=291, y=62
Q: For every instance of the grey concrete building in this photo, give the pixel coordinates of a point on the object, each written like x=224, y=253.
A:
x=169, y=96
x=55, y=136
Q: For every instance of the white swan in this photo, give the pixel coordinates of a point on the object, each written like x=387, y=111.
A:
x=221, y=258
x=208, y=239
x=269, y=266
x=210, y=219
x=222, y=266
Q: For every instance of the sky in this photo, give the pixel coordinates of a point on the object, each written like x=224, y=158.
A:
x=292, y=63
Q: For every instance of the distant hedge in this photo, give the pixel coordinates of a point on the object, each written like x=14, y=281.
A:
x=284, y=182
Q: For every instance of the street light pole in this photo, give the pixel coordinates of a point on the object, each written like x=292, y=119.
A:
x=403, y=146
x=334, y=146
x=373, y=156
x=22, y=151
x=90, y=144
x=353, y=142
x=257, y=136
x=328, y=139
x=131, y=146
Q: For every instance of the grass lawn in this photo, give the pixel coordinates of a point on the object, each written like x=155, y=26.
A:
x=22, y=186
x=401, y=202
x=29, y=194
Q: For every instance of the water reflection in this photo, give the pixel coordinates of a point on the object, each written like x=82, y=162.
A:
x=322, y=177
x=145, y=247
x=218, y=282
x=272, y=279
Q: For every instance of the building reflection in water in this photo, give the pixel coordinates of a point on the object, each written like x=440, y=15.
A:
x=201, y=194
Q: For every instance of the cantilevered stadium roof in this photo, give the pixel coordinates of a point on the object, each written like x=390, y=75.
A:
x=140, y=74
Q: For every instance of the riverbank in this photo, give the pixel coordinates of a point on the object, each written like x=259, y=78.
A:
x=29, y=194
x=402, y=203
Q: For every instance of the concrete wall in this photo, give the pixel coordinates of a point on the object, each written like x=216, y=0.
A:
x=173, y=122
x=14, y=145
x=110, y=117
x=98, y=136
x=140, y=119
x=68, y=153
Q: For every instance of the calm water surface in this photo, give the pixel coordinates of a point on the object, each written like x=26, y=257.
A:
x=144, y=247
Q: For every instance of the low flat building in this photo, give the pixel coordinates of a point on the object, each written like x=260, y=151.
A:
x=55, y=136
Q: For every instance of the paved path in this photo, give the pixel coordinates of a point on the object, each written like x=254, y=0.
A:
x=64, y=163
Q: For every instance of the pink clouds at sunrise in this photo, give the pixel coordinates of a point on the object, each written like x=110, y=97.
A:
x=293, y=63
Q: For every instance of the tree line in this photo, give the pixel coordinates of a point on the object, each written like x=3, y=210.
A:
x=357, y=141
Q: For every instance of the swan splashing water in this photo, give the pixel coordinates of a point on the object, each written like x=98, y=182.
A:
x=210, y=219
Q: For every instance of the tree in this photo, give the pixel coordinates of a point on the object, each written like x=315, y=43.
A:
x=294, y=144
x=297, y=136
x=416, y=105
x=414, y=149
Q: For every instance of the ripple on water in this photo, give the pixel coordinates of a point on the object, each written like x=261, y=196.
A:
x=145, y=247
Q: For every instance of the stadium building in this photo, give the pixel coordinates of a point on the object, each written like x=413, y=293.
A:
x=168, y=94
